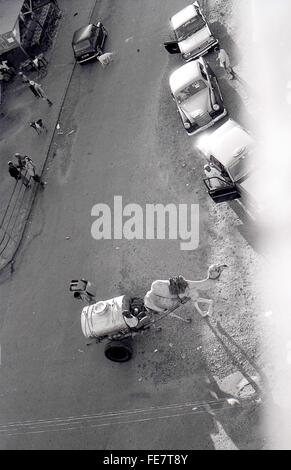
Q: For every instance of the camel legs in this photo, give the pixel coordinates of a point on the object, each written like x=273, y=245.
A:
x=204, y=301
x=196, y=305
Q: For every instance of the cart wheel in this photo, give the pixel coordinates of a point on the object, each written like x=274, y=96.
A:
x=118, y=351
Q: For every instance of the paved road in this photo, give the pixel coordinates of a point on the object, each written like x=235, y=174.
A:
x=128, y=141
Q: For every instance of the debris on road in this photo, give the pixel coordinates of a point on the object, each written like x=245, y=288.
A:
x=106, y=58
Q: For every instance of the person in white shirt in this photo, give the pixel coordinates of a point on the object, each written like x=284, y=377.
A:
x=30, y=168
x=224, y=62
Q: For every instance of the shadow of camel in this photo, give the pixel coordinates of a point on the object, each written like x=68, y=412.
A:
x=263, y=377
x=240, y=419
x=235, y=360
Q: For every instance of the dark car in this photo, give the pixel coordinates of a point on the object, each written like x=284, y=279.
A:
x=88, y=42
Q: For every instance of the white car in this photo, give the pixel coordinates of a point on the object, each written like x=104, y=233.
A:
x=193, y=36
x=195, y=89
x=229, y=152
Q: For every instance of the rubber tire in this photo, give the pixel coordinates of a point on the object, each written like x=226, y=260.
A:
x=118, y=351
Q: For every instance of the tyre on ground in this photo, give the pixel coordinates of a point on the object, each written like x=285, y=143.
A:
x=119, y=351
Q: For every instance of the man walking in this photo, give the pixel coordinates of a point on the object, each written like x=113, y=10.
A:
x=38, y=91
x=30, y=168
x=31, y=86
x=17, y=175
x=40, y=64
x=224, y=62
x=20, y=161
x=38, y=126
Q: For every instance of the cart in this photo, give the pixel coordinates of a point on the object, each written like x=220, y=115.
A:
x=119, y=319
x=116, y=321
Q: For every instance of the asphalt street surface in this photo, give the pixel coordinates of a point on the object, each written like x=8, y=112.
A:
x=128, y=140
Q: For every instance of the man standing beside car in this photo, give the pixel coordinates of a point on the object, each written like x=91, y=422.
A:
x=224, y=62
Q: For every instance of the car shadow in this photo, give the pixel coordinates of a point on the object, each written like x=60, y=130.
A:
x=236, y=107
x=245, y=85
x=248, y=228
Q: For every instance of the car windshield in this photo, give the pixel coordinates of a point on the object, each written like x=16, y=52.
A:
x=190, y=90
x=190, y=27
x=82, y=46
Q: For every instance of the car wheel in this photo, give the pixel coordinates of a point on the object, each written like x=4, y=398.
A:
x=118, y=351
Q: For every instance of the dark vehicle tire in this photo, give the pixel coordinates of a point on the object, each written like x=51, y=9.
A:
x=118, y=351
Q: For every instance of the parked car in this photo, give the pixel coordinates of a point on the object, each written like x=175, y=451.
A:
x=192, y=33
x=195, y=89
x=88, y=42
x=231, y=167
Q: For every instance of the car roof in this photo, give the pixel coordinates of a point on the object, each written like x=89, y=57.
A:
x=184, y=76
x=83, y=33
x=226, y=142
x=183, y=16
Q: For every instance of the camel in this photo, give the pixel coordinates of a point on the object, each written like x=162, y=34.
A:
x=166, y=295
